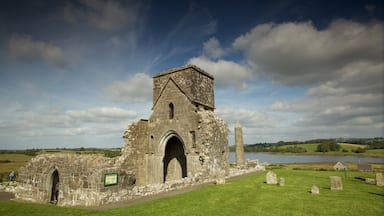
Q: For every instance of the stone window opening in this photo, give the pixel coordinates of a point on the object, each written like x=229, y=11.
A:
x=55, y=187
x=171, y=111
x=193, y=135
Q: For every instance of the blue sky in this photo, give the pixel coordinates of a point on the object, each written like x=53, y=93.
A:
x=76, y=73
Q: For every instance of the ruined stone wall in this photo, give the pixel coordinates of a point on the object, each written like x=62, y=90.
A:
x=136, y=144
x=197, y=140
x=213, y=142
x=183, y=122
x=81, y=179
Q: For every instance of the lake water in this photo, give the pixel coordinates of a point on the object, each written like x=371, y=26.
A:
x=280, y=159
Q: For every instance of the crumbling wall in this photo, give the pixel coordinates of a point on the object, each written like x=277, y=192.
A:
x=136, y=144
x=213, y=141
x=81, y=179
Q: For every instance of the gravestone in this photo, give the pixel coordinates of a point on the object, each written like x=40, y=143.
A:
x=370, y=181
x=271, y=178
x=379, y=179
x=315, y=189
x=336, y=183
x=282, y=181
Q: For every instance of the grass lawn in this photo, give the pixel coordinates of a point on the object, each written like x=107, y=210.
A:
x=247, y=196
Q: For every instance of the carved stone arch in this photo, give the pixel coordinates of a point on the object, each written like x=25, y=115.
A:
x=53, y=179
x=173, y=150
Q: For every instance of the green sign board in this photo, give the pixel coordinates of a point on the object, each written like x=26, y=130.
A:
x=111, y=179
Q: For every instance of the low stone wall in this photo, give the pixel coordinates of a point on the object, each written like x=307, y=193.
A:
x=80, y=179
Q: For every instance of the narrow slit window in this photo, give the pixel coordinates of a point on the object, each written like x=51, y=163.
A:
x=193, y=135
x=171, y=111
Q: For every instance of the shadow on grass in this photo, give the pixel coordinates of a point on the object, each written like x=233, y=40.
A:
x=376, y=194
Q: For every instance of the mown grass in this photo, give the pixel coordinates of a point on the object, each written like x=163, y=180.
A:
x=248, y=196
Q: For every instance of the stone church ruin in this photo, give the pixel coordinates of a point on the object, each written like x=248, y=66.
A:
x=182, y=143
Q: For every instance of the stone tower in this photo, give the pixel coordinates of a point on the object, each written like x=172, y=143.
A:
x=239, y=145
x=183, y=137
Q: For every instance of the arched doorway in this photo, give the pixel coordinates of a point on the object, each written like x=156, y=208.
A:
x=174, y=161
x=54, y=187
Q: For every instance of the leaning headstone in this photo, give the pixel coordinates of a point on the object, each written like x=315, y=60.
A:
x=282, y=181
x=315, y=189
x=271, y=178
x=370, y=181
x=379, y=179
x=336, y=183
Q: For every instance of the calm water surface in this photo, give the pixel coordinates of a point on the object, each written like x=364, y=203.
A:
x=279, y=159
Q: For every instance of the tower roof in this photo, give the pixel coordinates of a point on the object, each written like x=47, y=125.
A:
x=174, y=70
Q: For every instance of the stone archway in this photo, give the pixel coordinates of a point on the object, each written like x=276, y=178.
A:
x=54, y=186
x=174, y=161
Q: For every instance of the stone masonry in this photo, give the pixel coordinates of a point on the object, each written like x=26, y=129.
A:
x=239, y=145
x=181, y=144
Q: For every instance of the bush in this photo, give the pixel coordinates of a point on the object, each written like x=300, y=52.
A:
x=31, y=152
x=5, y=161
x=328, y=146
x=112, y=154
x=344, y=150
x=358, y=150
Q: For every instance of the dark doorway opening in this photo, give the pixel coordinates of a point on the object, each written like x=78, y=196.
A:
x=55, y=187
x=174, y=161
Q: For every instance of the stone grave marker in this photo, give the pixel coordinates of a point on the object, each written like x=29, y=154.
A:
x=379, y=179
x=370, y=181
x=315, y=189
x=282, y=181
x=271, y=178
x=336, y=183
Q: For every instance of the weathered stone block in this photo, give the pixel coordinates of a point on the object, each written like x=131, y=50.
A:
x=315, y=189
x=336, y=183
x=379, y=179
x=271, y=178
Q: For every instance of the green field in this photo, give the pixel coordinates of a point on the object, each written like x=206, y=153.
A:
x=11, y=161
x=311, y=149
x=248, y=196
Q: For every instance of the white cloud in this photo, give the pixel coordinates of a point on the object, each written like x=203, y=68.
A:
x=357, y=77
x=136, y=89
x=226, y=73
x=342, y=65
x=248, y=118
x=24, y=47
x=101, y=114
x=51, y=122
x=212, y=48
x=300, y=54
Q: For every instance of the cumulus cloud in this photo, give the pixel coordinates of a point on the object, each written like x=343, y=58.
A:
x=248, y=118
x=342, y=66
x=106, y=15
x=47, y=122
x=24, y=47
x=136, y=89
x=300, y=54
x=212, y=48
x=101, y=113
x=226, y=73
